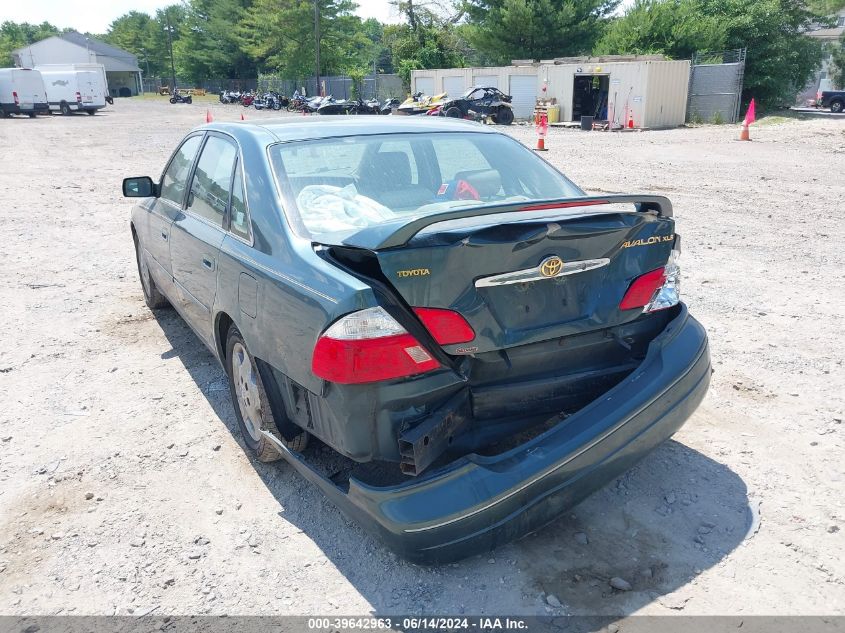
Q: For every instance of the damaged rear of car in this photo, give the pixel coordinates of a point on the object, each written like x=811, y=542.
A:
x=518, y=344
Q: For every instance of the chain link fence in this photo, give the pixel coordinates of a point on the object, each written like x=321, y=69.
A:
x=715, y=87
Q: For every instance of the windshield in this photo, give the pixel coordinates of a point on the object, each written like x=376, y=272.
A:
x=335, y=187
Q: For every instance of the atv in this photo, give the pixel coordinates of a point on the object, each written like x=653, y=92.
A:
x=478, y=102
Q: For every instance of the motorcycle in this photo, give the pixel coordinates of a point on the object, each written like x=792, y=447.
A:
x=351, y=106
x=246, y=99
x=229, y=96
x=177, y=98
x=389, y=106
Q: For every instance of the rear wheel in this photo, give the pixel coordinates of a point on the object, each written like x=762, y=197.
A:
x=504, y=116
x=152, y=297
x=91, y=112
x=837, y=106
x=189, y=99
x=32, y=115
x=454, y=112
x=64, y=108
x=252, y=403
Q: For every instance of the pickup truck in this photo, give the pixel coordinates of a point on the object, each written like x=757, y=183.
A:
x=833, y=99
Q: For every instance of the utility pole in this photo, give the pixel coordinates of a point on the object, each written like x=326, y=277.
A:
x=317, y=42
x=170, y=46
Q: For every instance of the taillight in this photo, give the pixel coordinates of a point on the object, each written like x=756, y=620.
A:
x=369, y=346
x=15, y=97
x=655, y=290
x=446, y=326
x=78, y=98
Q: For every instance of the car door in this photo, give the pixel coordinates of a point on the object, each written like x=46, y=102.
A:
x=197, y=232
x=164, y=209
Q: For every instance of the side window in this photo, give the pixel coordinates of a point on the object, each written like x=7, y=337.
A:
x=240, y=220
x=455, y=155
x=212, y=181
x=176, y=177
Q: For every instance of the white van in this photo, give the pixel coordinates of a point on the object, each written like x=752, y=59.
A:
x=74, y=87
x=22, y=92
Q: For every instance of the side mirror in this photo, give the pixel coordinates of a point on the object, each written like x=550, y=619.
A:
x=140, y=187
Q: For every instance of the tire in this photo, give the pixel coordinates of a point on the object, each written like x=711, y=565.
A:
x=836, y=106
x=4, y=114
x=31, y=115
x=189, y=99
x=64, y=109
x=152, y=297
x=504, y=116
x=172, y=99
x=454, y=112
x=252, y=402
x=91, y=112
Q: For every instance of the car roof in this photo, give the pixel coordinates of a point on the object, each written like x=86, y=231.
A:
x=298, y=128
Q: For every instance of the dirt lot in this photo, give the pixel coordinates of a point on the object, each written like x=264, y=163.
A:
x=123, y=487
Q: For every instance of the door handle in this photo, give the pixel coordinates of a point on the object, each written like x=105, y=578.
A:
x=208, y=263
x=164, y=235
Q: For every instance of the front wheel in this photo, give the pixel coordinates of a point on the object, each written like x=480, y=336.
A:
x=836, y=106
x=504, y=116
x=152, y=297
x=64, y=108
x=172, y=99
x=252, y=403
x=189, y=99
x=91, y=112
x=454, y=112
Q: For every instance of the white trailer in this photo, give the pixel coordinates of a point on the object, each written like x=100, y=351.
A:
x=22, y=92
x=74, y=87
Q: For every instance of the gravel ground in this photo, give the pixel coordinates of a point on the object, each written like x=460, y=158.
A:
x=123, y=487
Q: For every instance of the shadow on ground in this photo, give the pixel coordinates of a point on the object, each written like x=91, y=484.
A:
x=672, y=516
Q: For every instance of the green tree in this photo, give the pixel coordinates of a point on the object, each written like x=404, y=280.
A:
x=536, y=29
x=16, y=35
x=208, y=46
x=674, y=28
x=780, y=60
x=837, y=63
x=279, y=35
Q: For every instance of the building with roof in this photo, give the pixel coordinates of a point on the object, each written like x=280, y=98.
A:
x=122, y=73
x=830, y=36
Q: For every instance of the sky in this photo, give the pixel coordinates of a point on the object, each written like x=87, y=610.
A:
x=94, y=16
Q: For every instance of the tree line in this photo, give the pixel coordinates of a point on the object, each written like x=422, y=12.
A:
x=238, y=39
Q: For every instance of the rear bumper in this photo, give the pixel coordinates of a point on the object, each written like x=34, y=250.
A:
x=477, y=503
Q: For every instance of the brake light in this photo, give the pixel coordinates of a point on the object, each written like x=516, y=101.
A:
x=369, y=346
x=446, y=326
x=655, y=290
x=15, y=97
x=642, y=289
x=78, y=98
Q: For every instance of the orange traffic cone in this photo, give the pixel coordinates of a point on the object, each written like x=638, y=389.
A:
x=744, y=134
x=541, y=144
x=208, y=117
x=631, y=122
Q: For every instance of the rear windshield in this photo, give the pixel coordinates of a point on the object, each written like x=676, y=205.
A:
x=335, y=187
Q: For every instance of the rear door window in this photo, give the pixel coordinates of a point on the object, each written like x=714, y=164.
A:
x=239, y=224
x=176, y=176
x=212, y=180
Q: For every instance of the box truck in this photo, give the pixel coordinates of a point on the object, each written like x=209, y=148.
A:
x=74, y=87
x=22, y=92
